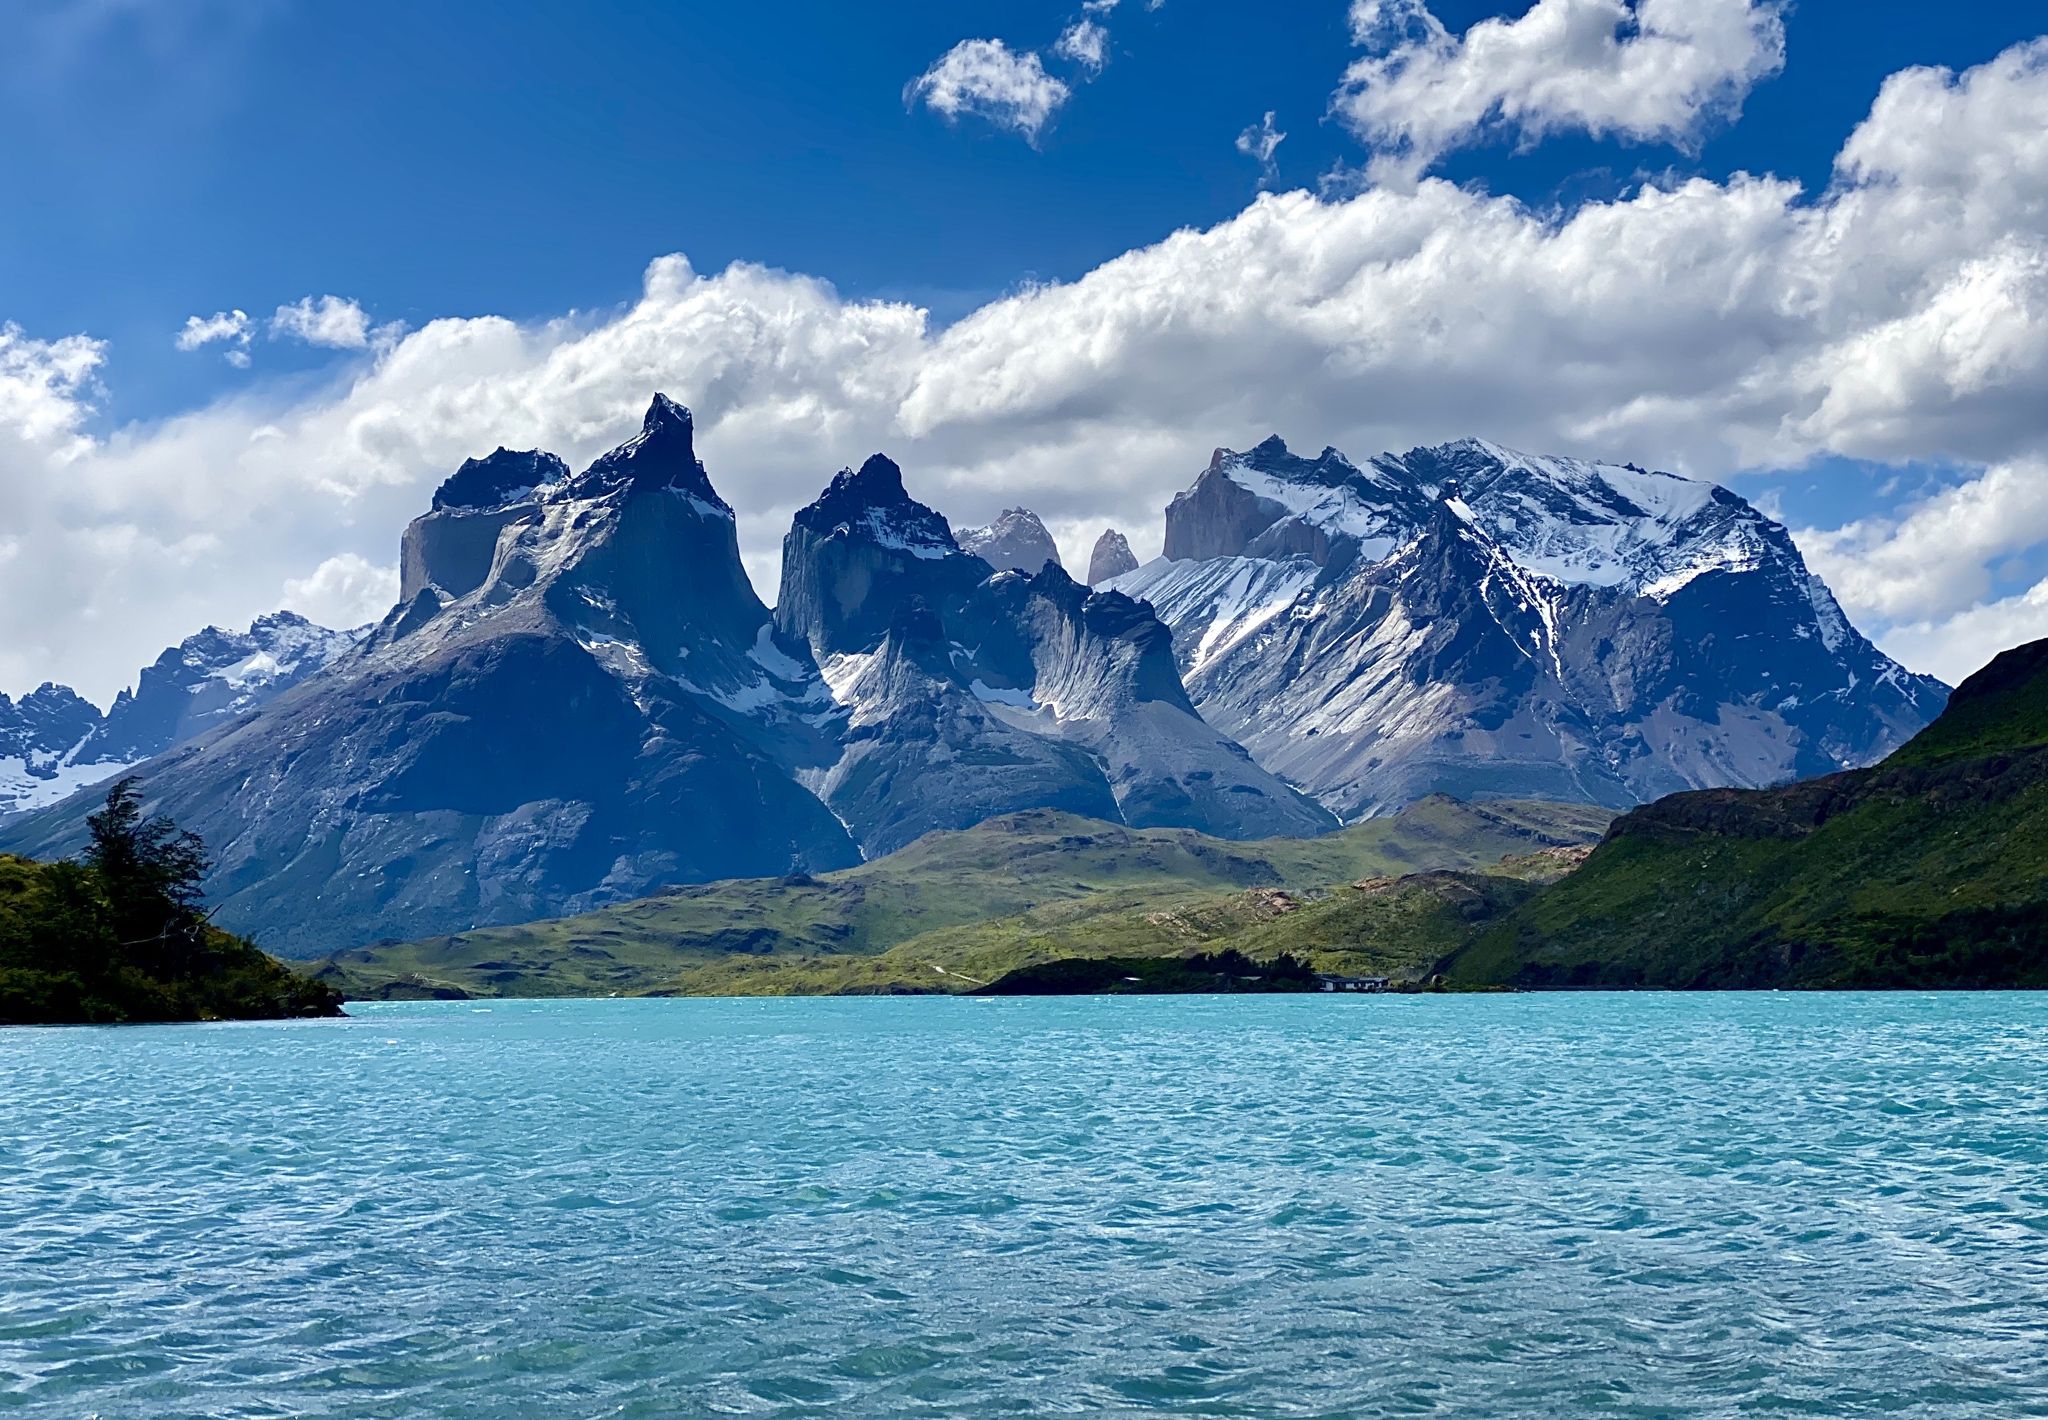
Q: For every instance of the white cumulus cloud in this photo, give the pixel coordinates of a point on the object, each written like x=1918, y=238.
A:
x=328, y=321
x=231, y=328
x=1641, y=70
x=44, y=385
x=988, y=79
x=1708, y=327
x=346, y=590
x=1952, y=647
x=1085, y=43
x=1260, y=142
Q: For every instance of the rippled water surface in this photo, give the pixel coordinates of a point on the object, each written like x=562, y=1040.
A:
x=1506, y=1206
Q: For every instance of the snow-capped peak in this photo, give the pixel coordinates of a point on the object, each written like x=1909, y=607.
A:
x=1568, y=519
x=871, y=502
x=1015, y=540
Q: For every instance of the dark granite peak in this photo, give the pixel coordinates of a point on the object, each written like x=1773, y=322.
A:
x=500, y=477
x=855, y=497
x=663, y=455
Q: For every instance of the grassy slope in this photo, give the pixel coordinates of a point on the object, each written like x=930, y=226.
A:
x=1931, y=869
x=1016, y=889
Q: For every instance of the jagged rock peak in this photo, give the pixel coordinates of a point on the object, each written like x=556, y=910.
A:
x=500, y=478
x=1016, y=540
x=663, y=455
x=877, y=481
x=871, y=500
x=1112, y=557
x=1271, y=455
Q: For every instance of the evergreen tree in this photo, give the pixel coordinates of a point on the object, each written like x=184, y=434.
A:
x=150, y=871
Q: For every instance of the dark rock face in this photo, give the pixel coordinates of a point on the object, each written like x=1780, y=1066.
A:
x=662, y=456
x=506, y=476
x=1473, y=621
x=1112, y=557
x=54, y=742
x=1016, y=541
x=856, y=553
x=452, y=546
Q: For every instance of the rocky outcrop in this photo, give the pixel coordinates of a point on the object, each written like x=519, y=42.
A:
x=451, y=547
x=1112, y=557
x=856, y=553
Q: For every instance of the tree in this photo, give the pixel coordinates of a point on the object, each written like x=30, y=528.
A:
x=150, y=870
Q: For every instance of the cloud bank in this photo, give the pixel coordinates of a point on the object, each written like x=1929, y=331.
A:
x=1900, y=315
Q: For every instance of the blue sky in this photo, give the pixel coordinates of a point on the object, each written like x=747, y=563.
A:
x=529, y=160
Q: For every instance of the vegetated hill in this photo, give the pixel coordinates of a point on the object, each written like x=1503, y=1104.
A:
x=1394, y=926
x=1928, y=870
x=120, y=936
x=943, y=903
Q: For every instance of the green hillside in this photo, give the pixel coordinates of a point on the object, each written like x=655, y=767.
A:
x=120, y=936
x=952, y=909
x=1928, y=870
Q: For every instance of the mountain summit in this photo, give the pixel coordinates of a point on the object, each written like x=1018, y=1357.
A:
x=1017, y=541
x=1473, y=620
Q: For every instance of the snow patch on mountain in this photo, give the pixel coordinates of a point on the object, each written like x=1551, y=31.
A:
x=1229, y=599
x=1470, y=619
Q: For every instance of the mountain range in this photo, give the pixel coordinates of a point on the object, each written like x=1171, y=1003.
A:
x=580, y=699
x=1470, y=620
x=1923, y=872
x=54, y=742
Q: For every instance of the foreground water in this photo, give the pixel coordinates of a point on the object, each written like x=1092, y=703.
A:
x=1556, y=1205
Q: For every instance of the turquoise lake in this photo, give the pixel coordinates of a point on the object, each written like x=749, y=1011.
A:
x=1620, y=1205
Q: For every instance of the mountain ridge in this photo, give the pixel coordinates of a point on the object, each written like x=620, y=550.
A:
x=54, y=742
x=1464, y=613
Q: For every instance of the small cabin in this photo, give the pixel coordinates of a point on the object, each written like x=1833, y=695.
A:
x=1354, y=983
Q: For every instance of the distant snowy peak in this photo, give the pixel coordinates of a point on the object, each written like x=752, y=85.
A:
x=53, y=742
x=1111, y=558
x=1593, y=524
x=215, y=675
x=1015, y=542
x=1469, y=619
x=1576, y=522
